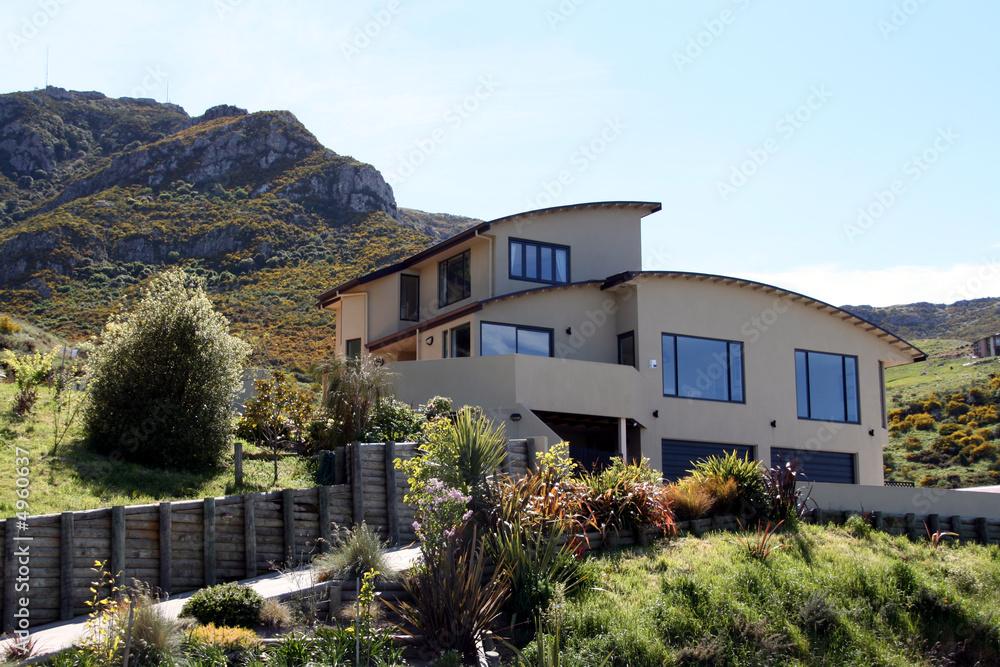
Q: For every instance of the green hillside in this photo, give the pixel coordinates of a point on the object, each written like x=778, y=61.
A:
x=963, y=320
x=98, y=194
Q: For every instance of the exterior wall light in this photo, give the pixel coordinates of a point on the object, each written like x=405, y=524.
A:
x=871, y=432
x=656, y=413
x=429, y=340
x=774, y=423
x=516, y=417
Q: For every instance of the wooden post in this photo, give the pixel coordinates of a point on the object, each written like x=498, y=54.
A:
x=391, y=493
x=9, y=573
x=166, y=549
x=66, y=555
x=238, y=463
x=118, y=544
x=530, y=451
x=357, y=485
x=911, y=526
x=818, y=514
x=249, y=537
x=325, y=528
x=933, y=523
x=982, y=530
x=506, y=457
x=288, y=523
x=878, y=521
x=956, y=527
x=208, y=515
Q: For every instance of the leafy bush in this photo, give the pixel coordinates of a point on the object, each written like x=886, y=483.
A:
x=162, y=381
x=7, y=326
x=626, y=497
x=393, y=420
x=715, y=471
x=30, y=370
x=857, y=526
x=359, y=551
x=227, y=604
x=228, y=638
x=441, y=513
x=786, y=501
x=558, y=459
x=277, y=414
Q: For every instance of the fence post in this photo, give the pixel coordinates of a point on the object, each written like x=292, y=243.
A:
x=66, y=555
x=818, y=516
x=9, y=573
x=531, y=454
x=506, y=457
x=166, y=548
x=878, y=521
x=391, y=492
x=238, y=463
x=118, y=544
x=956, y=527
x=982, y=530
x=357, y=485
x=288, y=524
x=325, y=529
x=933, y=523
x=911, y=526
x=249, y=537
x=208, y=515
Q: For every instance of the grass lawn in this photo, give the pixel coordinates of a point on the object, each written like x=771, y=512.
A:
x=833, y=597
x=75, y=478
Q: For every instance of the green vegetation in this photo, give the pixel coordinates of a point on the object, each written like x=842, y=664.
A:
x=947, y=370
x=163, y=379
x=829, y=598
x=229, y=604
x=360, y=550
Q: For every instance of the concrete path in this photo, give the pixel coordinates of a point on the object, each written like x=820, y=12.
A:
x=55, y=637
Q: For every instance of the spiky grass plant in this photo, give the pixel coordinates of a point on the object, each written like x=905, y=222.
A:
x=357, y=552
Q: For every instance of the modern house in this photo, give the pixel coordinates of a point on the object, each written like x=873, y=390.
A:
x=547, y=321
x=987, y=347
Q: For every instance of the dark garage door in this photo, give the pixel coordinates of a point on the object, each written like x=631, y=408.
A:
x=836, y=467
x=679, y=456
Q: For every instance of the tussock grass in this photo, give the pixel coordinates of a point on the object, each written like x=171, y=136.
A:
x=830, y=598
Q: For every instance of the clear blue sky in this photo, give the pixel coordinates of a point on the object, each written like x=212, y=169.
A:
x=762, y=127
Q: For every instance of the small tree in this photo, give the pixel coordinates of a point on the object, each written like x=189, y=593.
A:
x=163, y=380
x=30, y=370
x=352, y=390
x=277, y=415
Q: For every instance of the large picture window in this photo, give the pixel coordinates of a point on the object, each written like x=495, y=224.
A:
x=454, y=279
x=703, y=368
x=409, y=297
x=512, y=339
x=539, y=262
x=826, y=386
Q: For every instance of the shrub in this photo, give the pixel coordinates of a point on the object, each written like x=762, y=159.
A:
x=352, y=388
x=929, y=480
x=626, y=497
x=558, y=459
x=785, y=500
x=690, y=500
x=7, y=326
x=235, y=646
x=948, y=429
x=275, y=615
x=912, y=443
x=441, y=513
x=359, y=551
x=226, y=604
x=30, y=370
x=277, y=414
x=922, y=422
x=162, y=381
x=987, y=450
x=748, y=475
x=956, y=408
x=393, y=420
x=857, y=526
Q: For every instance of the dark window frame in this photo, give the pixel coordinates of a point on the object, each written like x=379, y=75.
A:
x=517, y=327
x=449, y=342
x=809, y=406
x=537, y=245
x=347, y=348
x=403, y=313
x=729, y=370
x=444, y=267
x=622, y=337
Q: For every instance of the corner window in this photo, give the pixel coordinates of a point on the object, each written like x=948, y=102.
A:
x=457, y=342
x=512, y=339
x=352, y=348
x=455, y=279
x=539, y=262
x=626, y=349
x=826, y=386
x=703, y=368
x=409, y=298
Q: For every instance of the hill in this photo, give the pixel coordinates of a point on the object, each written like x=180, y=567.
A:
x=962, y=320
x=98, y=194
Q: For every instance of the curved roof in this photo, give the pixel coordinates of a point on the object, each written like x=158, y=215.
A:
x=327, y=297
x=795, y=297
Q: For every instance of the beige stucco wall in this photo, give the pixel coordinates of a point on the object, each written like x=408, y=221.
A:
x=602, y=242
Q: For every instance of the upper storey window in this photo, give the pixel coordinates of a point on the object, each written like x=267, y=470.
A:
x=455, y=279
x=539, y=262
x=826, y=386
x=409, y=297
x=704, y=368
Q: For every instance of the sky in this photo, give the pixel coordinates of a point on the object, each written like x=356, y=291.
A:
x=845, y=149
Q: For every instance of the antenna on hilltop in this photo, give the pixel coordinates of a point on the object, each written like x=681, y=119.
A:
x=168, y=92
x=46, y=65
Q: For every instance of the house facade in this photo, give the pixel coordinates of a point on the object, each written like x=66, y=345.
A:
x=986, y=347
x=546, y=320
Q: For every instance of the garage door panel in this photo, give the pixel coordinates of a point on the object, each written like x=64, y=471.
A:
x=680, y=456
x=836, y=467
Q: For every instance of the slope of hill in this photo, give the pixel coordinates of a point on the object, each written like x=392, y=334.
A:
x=962, y=320
x=97, y=194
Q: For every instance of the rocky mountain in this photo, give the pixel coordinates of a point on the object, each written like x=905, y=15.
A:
x=97, y=194
x=962, y=320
